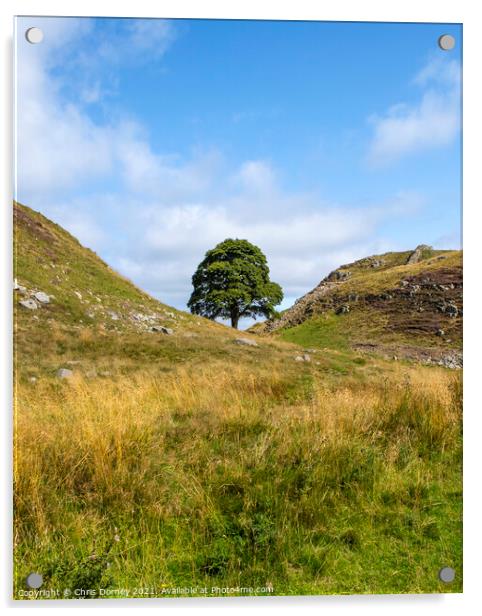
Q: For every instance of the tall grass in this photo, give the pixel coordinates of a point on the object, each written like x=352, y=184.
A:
x=222, y=476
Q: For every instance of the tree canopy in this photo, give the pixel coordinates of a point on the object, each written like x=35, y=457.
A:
x=232, y=281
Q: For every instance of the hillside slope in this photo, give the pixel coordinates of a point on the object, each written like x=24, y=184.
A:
x=407, y=304
x=73, y=313
x=80, y=287
x=198, y=456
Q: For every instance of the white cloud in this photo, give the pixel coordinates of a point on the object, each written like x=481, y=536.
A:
x=431, y=123
x=167, y=210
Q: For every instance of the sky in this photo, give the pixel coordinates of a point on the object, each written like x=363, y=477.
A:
x=321, y=142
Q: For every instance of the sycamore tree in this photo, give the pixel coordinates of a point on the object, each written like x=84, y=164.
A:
x=232, y=281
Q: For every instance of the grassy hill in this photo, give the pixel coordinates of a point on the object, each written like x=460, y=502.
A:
x=209, y=458
x=405, y=304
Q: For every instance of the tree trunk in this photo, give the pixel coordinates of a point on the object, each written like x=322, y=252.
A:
x=234, y=320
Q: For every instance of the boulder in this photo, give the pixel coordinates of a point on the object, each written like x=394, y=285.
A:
x=64, y=373
x=29, y=303
x=42, y=297
x=304, y=357
x=246, y=342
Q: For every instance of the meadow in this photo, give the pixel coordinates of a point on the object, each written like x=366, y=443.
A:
x=339, y=476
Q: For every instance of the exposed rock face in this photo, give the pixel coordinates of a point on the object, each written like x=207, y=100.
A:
x=304, y=307
x=417, y=254
x=339, y=275
x=246, y=342
x=423, y=304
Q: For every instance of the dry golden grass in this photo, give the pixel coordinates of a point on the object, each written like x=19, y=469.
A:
x=197, y=451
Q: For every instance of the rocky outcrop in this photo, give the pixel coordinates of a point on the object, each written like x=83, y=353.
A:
x=427, y=305
x=450, y=358
x=34, y=300
x=418, y=254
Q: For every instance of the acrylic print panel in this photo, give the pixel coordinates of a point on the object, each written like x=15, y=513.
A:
x=196, y=414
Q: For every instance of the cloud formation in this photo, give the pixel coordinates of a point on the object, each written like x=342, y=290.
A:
x=432, y=122
x=161, y=211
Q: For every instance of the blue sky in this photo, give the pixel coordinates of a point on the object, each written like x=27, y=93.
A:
x=153, y=140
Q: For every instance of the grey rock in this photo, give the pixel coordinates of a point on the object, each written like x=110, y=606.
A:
x=416, y=255
x=113, y=315
x=18, y=287
x=246, y=342
x=304, y=357
x=42, y=297
x=161, y=329
x=377, y=263
x=64, y=373
x=339, y=275
x=440, y=332
x=453, y=361
x=29, y=303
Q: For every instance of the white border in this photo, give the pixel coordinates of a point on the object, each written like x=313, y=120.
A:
x=348, y=10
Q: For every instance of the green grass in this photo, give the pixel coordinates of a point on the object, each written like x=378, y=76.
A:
x=191, y=461
x=255, y=480
x=328, y=331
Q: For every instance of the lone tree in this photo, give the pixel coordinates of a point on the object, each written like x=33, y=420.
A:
x=232, y=282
